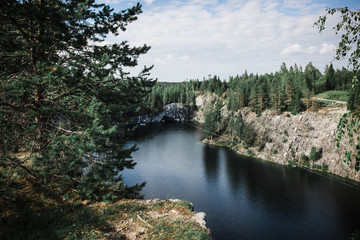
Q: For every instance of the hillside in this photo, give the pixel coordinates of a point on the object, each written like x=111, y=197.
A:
x=290, y=139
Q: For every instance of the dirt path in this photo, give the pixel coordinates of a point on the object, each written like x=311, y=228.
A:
x=328, y=100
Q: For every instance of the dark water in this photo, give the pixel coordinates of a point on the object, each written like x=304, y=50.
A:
x=243, y=198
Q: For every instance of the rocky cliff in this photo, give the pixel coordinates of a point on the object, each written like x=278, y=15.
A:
x=171, y=112
x=291, y=137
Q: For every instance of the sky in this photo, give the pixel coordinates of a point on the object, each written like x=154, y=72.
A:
x=193, y=39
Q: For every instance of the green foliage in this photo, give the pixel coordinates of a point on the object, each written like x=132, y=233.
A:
x=213, y=119
x=325, y=167
x=312, y=155
x=316, y=166
x=335, y=95
x=347, y=158
x=65, y=98
x=315, y=155
x=293, y=153
x=292, y=164
x=348, y=28
x=329, y=78
x=62, y=223
x=249, y=152
x=165, y=229
x=261, y=147
x=354, y=97
x=349, y=124
x=304, y=160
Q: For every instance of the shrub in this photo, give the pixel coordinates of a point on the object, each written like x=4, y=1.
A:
x=304, y=157
x=285, y=140
x=319, y=154
x=286, y=133
x=325, y=167
x=312, y=155
x=315, y=155
x=293, y=154
x=250, y=152
x=261, y=147
x=304, y=160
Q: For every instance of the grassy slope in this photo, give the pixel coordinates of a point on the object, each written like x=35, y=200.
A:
x=37, y=213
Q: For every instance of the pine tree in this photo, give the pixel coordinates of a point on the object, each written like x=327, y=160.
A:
x=65, y=98
x=210, y=124
x=330, y=78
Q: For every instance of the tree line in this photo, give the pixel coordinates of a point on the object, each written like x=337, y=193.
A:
x=289, y=89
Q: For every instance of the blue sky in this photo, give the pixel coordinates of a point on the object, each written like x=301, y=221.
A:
x=193, y=39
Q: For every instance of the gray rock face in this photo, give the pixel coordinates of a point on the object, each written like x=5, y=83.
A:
x=171, y=112
x=291, y=136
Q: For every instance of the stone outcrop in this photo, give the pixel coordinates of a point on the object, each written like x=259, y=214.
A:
x=171, y=112
x=288, y=137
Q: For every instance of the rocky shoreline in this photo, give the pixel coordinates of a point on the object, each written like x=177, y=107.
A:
x=291, y=137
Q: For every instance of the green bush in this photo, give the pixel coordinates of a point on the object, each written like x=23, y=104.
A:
x=286, y=133
x=250, y=152
x=304, y=158
x=312, y=155
x=261, y=147
x=325, y=167
x=315, y=155
x=293, y=153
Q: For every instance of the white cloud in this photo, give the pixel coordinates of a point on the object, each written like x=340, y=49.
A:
x=186, y=57
x=327, y=48
x=256, y=35
x=295, y=48
x=311, y=49
x=149, y=1
x=169, y=57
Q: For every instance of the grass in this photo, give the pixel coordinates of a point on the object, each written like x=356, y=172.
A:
x=37, y=213
x=169, y=229
x=334, y=95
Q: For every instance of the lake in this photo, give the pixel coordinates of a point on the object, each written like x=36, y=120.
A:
x=243, y=197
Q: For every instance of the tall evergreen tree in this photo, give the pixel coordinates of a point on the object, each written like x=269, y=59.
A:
x=65, y=98
x=330, y=78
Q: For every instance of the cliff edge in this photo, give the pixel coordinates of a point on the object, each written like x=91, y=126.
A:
x=289, y=139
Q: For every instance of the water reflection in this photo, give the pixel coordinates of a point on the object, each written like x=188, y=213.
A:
x=211, y=162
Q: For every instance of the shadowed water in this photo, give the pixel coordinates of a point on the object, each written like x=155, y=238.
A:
x=244, y=198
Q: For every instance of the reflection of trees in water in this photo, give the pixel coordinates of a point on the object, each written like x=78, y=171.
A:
x=266, y=184
x=234, y=170
x=211, y=162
